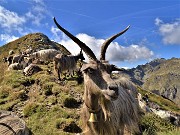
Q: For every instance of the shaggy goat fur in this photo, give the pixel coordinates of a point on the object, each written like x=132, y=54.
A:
x=8, y=59
x=113, y=116
x=11, y=52
x=18, y=58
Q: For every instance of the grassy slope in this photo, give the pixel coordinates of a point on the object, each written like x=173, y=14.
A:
x=165, y=104
x=47, y=106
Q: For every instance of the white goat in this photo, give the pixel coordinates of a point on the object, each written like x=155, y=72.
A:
x=31, y=69
x=28, y=51
x=45, y=55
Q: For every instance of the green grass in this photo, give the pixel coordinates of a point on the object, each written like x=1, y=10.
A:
x=174, y=132
x=16, y=79
x=151, y=124
x=8, y=105
x=162, y=102
x=51, y=121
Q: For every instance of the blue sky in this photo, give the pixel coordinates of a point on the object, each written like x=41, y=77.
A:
x=154, y=31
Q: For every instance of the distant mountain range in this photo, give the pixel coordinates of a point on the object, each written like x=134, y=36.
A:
x=159, y=76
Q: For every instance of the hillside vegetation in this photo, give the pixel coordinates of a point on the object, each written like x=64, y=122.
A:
x=51, y=107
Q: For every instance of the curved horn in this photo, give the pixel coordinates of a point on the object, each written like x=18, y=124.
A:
x=82, y=45
x=108, y=41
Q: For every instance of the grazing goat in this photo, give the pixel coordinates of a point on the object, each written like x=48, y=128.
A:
x=14, y=59
x=8, y=59
x=28, y=51
x=15, y=66
x=11, y=52
x=45, y=55
x=31, y=69
x=109, y=105
x=18, y=58
x=66, y=62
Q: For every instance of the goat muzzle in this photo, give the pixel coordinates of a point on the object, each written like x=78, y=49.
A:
x=112, y=92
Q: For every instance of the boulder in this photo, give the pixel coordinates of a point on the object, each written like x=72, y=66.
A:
x=11, y=124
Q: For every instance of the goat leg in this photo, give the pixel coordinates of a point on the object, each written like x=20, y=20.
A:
x=59, y=77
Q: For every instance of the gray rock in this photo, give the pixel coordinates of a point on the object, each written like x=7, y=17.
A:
x=11, y=124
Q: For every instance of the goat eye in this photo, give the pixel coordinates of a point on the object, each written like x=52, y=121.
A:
x=90, y=70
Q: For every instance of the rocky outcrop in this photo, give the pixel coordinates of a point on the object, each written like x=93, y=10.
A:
x=11, y=124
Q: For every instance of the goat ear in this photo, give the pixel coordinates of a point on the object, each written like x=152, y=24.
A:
x=115, y=68
x=81, y=51
x=84, y=67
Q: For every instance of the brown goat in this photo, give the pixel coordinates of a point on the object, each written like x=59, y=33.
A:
x=66, y=62
x=109, y=105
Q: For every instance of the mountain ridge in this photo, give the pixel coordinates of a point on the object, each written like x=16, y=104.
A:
x=33, y=40
x=159, y=76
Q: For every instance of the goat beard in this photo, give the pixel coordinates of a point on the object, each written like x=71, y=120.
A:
x=107, y=107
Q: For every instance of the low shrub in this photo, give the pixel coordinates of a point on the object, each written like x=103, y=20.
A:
x=151, y=124
x=70, y=103
x=47, y=88
x=29, y=109
x=4, y=93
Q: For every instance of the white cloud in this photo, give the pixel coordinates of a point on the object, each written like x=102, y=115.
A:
x=7, y=38
x=115, y=52
x=170, y=31
x=158, y=21
x=39, y=1
x=10, y=20
x=37, y=12
x=133, y=52
x=57, y=34
x=11, y=23
x=55, y=31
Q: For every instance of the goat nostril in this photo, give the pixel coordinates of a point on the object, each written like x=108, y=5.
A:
x=113, y=87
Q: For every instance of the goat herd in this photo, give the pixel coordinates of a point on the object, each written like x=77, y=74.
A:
x=29, y=60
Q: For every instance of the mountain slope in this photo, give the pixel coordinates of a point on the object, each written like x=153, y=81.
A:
x=160, y=76
x=47, y=105
x=36, y=41
x=33, y=40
